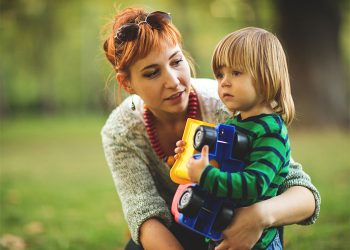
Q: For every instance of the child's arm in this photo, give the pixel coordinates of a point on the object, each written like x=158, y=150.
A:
x=196, y=166
x=265, y=171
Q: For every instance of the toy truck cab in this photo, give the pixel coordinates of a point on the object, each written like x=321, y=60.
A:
x=192, y=206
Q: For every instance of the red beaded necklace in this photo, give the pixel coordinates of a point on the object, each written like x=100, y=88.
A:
x=152, y=133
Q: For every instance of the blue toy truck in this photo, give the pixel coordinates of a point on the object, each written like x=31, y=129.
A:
x=192, y=206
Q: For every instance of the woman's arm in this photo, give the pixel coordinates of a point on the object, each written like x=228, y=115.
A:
x=299, y=203
x=292, y=206
x=125, y=154
x=298, y=178
x=154, y=235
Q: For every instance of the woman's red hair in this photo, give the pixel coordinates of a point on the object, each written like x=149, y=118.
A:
x=123, y=55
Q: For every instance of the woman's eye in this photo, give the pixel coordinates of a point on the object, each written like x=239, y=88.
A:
x=177, y=62
x=151, y=74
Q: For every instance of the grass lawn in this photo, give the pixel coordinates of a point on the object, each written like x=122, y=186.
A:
x=57, y=193
x=56, y=189
x=325, y=155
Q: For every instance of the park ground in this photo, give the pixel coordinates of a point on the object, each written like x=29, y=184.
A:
x=57, y=193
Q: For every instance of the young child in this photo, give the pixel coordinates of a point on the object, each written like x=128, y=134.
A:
x=253, y=82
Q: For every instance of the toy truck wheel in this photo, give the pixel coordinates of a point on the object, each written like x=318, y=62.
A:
x=223, y=219
x=190, y=202
x=204, y=135
x=241, y=144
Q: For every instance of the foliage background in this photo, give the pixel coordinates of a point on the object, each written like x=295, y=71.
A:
x=56, y=90
x=52, y=58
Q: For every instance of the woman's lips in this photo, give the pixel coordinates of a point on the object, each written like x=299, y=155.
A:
x=175, y=99
x=174, y=96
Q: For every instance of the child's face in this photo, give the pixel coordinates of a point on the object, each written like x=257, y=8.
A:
x=236, y=90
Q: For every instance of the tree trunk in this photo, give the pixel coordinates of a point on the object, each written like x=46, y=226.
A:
x=310, y=34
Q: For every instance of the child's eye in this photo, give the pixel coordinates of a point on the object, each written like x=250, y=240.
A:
x=219, y=75
x=236, y=73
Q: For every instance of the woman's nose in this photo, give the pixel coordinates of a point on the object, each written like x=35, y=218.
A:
x=172, y=79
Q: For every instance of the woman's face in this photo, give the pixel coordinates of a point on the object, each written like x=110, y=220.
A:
x=162, y=80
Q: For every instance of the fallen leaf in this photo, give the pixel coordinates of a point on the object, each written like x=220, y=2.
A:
x=12, y=242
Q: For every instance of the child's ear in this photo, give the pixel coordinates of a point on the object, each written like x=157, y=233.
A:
x=125, y=82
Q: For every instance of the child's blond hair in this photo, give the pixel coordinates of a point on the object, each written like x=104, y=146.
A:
x=259, y=53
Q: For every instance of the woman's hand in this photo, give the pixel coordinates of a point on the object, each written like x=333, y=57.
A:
x=245, y=229
x=196, y=166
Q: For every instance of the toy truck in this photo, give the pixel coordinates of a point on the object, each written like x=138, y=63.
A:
x=193, y=207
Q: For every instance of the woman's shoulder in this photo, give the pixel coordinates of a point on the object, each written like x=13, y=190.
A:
x=213, y=110
x=123, y=120
x=206, y=87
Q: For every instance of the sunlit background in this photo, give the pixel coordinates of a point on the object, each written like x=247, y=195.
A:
x=57, y=89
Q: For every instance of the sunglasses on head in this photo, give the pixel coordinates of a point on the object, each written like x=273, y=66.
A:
x=130, y=31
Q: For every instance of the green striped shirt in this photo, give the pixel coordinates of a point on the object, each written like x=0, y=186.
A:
x=266, y=166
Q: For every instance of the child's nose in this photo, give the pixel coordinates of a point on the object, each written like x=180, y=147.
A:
x=225, y=82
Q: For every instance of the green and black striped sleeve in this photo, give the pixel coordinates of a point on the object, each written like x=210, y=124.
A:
x=266, y=163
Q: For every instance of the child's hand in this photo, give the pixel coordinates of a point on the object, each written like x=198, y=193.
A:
x=180, y=147
x=196, y=167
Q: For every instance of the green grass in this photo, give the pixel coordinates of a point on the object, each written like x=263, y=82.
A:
x=57, y=192
x=325, y=155
x=56, y=189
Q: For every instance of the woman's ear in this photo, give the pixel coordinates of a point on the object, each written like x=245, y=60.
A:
x=125, y=82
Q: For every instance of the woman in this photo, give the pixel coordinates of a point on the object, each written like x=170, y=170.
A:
x=139, y=139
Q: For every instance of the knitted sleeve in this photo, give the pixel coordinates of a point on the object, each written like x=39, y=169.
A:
x=297, y=177
x=135, y=186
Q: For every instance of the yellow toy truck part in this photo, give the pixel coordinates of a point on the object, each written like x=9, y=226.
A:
x=178, y=172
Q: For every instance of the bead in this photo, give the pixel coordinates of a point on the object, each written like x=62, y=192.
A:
x=192, y=111
x=149, y=129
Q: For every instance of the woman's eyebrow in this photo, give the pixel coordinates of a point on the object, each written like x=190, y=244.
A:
x=149, y=66
x=155, y=65
x=174, y=54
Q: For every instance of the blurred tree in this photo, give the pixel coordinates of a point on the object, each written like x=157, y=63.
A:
x=310, y=33
x=52, y=61
x=28, y=29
